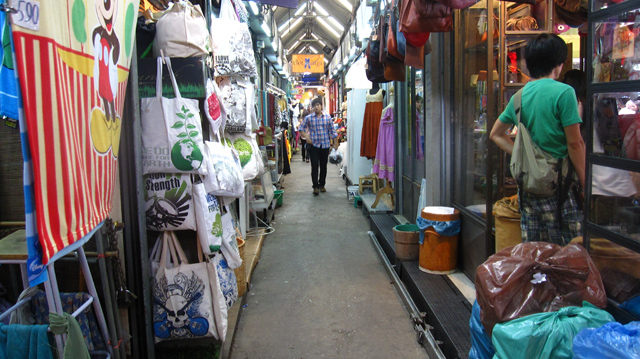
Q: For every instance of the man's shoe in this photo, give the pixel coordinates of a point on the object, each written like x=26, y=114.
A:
x=323, y=190
x=315, y=192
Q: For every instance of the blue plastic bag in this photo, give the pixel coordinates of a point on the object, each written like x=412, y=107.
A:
x=611, y=341
x=481, y=347
x=632, y=305
x=546, y=335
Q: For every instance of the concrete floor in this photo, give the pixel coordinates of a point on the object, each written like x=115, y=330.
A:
x=319, y=289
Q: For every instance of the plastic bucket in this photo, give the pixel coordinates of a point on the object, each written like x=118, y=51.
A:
x=438, y=253
x=279, y=196
x=407, y=240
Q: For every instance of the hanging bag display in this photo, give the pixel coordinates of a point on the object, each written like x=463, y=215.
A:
x=249, y=154
x=229, y=244
x=220, y=309
x=182, y=306
x=168, y=203
x=225, y=172
x=425, y=16
x=182, y=32
x=237, y=96
x=226, y=278
x=232, y=45
x=208, y=218
x=171, y=131
x=213, y=108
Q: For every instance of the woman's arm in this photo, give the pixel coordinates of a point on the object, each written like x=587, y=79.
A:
x=499, y=136
x=576, y=149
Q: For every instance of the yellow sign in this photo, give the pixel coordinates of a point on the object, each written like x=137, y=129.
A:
x=307, y=63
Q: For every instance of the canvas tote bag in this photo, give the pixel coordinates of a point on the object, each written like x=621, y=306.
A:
x=169, y=202
x=182, y=32
x=171, y=131
x=209, y=219
x=182, y=306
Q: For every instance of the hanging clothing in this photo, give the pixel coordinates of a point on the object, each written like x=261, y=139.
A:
x=371, y=124
x=384, y=164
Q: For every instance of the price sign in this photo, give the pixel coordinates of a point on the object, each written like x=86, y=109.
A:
x=26, y=13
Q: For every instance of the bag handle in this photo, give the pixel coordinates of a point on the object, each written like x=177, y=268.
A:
x=159, y=77
x=165, y=248
x=178, y=248
x=176, y=90
x=156, y=252
x=517, y=105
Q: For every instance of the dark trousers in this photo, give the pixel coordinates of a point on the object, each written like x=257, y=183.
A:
x=319, y=158
x=305, y=153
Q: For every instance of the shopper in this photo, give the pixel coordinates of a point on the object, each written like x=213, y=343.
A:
x=320, y=129
x=549, y=110
x=303, y=139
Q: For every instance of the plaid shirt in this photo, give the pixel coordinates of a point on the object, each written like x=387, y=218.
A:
x=320, y=129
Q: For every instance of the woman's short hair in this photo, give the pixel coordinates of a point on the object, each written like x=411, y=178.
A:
x=544, y=53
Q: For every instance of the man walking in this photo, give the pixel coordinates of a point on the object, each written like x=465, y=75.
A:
x=320, y=129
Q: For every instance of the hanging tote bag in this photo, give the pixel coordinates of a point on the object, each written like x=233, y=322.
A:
x=225, y=172
x=171, y=131
x=208, y=218
x=249, y=154
x=168, y=203
x=229, y=244
x=182, y=305
x=182, y=32
x=220, y=309
x=213, y=108
x=236, y=94
x=227, y=279
x=232, y=45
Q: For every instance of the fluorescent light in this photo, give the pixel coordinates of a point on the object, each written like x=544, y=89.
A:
x=345, y=61
x=313, y=49
x=320, y=9
x=285, y=30
x=302, y=37
x=293, y=46
x=346, y=4
x=266, y=28
x=253, y=7
x=319, y=40
x=301, y=9
x=336, y=23
x=329, y=28
x=325, y=60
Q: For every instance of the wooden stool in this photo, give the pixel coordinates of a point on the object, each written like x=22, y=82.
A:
x=370, y=181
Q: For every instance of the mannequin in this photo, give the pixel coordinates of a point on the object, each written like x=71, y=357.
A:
x=375, y=88
x=382, y=166
x=371, y=122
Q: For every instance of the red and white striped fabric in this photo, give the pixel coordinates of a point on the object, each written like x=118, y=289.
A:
x=74, y=141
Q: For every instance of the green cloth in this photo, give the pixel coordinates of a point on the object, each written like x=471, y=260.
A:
x=19, y=341
x=75, y=348
x=548, y=106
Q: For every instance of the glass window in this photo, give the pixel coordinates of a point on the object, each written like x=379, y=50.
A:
x=613, y=200
x=616, y=51
x=616, y=124
x=525, y=17
x=419, y=125
x=603, y=4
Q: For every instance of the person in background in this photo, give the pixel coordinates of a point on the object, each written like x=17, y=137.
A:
x=612, y=189
x=320, y=129
x=549, y=111
x=629, y=108
x=303, y=139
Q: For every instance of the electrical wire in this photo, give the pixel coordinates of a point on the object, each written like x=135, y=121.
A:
x=257, y=230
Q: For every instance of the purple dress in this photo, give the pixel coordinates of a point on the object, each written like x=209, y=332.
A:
x=384, y=163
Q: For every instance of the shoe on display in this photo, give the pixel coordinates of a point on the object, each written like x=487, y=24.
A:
x=315, y=192
x=323, y=190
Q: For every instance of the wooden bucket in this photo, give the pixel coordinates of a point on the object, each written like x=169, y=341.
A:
x=407, y=241
x=439, y=254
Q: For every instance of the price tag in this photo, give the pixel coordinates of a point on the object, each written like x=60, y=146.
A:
x=26, y=14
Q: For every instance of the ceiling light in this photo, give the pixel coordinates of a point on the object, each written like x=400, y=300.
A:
x=336, y=23
x=329, y=28
x=266, y=29
x=302, y=37
x=301, y=9
x=284, y=31
x=325, y=60
x=346, y=4
x=293, y=46
x=320, y=9
x=345, y=61
x=313, y=49
x=254, y=8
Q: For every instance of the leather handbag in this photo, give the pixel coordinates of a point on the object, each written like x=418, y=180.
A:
x=414, y=56
x=395, y=70
x=383, y=32
x=375, y=69
x=417, y=39
x=393, y=38
x=425, y=16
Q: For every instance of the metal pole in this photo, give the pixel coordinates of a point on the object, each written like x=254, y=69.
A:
x=106, y=290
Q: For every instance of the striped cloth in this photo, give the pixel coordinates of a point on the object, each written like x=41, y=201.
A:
x=320, y=129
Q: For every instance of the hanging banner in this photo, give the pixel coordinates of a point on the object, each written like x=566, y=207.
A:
x=307, y=63
x=72, y=58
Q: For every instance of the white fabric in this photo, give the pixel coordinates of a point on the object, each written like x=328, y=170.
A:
x=168, y=202
x=220, y=311
x=171, y=131
x=214, y=109
x=225, y=172
x=229, y=243
x=606, y=181
x=227, y=279
x=208, y=219
x=182, y=32
x=249, y=154
x=232, y=45
x=237, y=96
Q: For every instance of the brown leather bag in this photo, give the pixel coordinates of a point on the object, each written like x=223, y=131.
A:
x=392, y=40
x=457, y=4
x=414, y=56
x=395, y=70
x=383, y=32
x=425, y=16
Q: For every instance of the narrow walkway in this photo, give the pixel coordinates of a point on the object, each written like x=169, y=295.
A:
x=319, y=289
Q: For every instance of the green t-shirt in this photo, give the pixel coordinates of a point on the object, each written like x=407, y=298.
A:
x=548, y=106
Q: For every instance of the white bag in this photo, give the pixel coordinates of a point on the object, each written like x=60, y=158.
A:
x=249, y=153
x=227, y=279
x=171, y=131
x=208, y=218
x=237, y=97
x=168, y=202
x=182, y=32
x=232, y=46
x=225, y=172
x=220, y=310
x=229, y=247
x=213, y=107
x=182, y=306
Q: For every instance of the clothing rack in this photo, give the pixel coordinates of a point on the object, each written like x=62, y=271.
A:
x=275, y=90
